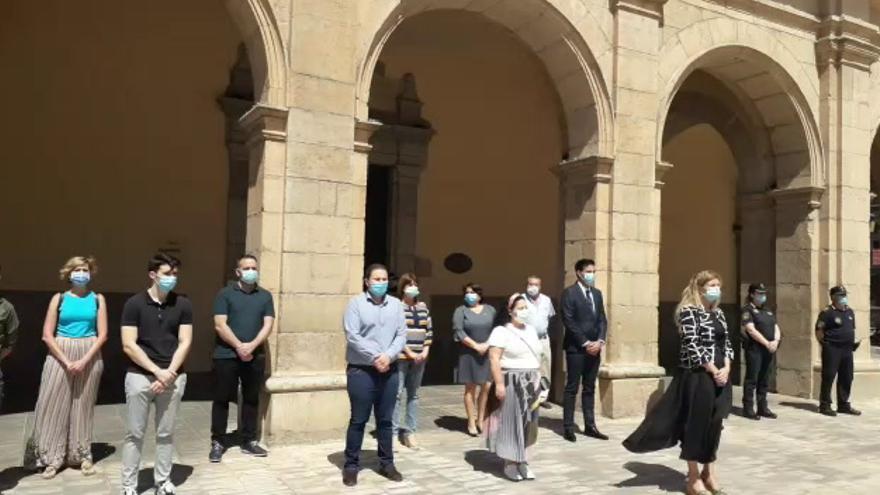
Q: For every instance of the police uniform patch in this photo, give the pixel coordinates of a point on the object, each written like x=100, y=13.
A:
x=746, y=316
x=837, y=320
x=769, y=313
x=820, y=324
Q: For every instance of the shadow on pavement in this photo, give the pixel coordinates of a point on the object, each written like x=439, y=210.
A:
x=801, y=405
x=101, y=451
x=452, y=423
x=651, y=475
x=553, y=424
x=179, y=474
x=10, y=477
x=485, y=462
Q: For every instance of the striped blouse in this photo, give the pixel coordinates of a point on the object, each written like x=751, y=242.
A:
x=419, y=329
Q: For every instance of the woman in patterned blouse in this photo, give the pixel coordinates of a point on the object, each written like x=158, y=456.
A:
x=693, y=408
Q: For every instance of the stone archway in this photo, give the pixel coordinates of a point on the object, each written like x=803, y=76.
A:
x=769, y=127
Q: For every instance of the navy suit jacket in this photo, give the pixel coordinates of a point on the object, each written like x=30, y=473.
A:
x=582, y=323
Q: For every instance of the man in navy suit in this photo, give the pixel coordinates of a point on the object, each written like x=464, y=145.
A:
x=583, y=314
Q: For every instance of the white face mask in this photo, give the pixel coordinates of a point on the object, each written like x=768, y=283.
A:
x=411, y=291
x=533, y=290
x=522, y=314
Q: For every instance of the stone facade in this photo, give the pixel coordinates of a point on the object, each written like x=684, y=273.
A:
x=794, y=90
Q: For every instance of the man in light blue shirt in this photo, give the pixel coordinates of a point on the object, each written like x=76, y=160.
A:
x=375, y=329
x=540, y=312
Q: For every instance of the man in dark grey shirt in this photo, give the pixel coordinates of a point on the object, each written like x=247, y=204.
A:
x=8, y=335
x=375, y=329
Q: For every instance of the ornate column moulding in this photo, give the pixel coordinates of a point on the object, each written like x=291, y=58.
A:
x=810, y=196
x=647, y=8
x=265, y=123
x=660, y=171
x=590, y=169
x=843, y=40
x=363, y=131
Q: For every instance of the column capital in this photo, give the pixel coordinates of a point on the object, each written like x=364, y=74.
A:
x=809, y=196
x=589, y=169
x=661, y=168
x=363, y=131
x=846, y=41
x=265, y=123
x=647, y=8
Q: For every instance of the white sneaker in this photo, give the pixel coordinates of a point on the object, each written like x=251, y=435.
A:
x=166, y=488
x=129, y=491
x=512, y=472
x=525, y=471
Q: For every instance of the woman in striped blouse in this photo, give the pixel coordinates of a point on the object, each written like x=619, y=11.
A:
x=411, y=363
x=693, y=408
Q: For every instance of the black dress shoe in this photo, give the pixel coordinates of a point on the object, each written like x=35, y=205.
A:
x=546, y=405
x=217, y=451
x=391, y=473
x=766, y=413
x=592, y=431
x=827, y=411
x=849, y=410
x=569, y=435
x=749, y=413
x=350, y=477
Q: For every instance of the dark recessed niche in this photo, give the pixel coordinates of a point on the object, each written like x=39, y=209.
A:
x=458, y=263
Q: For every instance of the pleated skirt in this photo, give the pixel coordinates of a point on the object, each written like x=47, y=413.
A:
x=513, y=427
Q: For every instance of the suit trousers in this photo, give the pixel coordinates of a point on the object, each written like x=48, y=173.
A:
x=581, y=370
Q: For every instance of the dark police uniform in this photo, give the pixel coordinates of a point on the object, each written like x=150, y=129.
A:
x=759, y=359
x=839, y=327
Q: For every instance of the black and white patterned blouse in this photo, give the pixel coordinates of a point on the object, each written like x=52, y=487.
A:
x=698, y=336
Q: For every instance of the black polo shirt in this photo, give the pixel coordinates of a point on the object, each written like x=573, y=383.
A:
x=244, y=315
x=839, y=327
x=763, y=319
x=158, y=326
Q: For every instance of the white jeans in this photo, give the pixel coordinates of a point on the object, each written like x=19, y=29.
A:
x=138, y=398
x=545, y=368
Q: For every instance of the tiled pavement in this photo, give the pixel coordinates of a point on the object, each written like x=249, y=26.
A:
x=800, y=453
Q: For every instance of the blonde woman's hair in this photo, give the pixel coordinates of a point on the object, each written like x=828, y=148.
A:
x=691, y=295
x=76, y=262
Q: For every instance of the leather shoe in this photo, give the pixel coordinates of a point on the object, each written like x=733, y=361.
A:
x=827, y=411
x=349, y=477
x=569, y=435
x=766, y=413
x=546, y=405
x=391, y=473
x=592, y=431
x=849, y=410
x=749, y=413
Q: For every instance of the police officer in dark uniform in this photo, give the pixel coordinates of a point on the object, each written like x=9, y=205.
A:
x=761, y=339
x=836, y=331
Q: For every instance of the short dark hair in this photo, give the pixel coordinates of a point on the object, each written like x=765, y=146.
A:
x=160, y=259
x=474, y=287
x=372, y=268
x=246, y=257
x=583, y=263
x=406, y=280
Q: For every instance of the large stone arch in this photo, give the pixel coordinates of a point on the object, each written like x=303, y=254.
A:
x=766, y=76
x=548, y=28
x=259, y=28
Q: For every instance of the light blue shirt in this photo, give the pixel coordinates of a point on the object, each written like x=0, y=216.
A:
x=373, y=329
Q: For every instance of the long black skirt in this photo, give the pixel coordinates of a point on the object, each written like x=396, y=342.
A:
x=690, y=412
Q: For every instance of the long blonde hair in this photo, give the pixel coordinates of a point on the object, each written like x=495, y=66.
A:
x=691, y=295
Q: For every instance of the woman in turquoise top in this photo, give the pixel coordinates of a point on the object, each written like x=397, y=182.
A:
x=74, y=331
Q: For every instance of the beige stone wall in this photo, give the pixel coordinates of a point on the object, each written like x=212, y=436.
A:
x=698, y=210
x=113, y=143
x=487, y=189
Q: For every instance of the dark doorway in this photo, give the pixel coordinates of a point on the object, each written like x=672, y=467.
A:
x=376, y=238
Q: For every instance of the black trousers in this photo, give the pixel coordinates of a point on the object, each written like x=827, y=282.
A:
x=837, y=360
x=581, y=370
x=759, y=363
x=370, y=391
x=227, y=375
x=706, y=407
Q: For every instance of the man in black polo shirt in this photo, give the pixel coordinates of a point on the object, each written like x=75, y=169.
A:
x=156, y=336
x=836, y=331
x=761, y=337
x=243, y=318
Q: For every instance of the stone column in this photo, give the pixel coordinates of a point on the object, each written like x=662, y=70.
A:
x=845, y=50
x=239, y=158
x=322, y=200
x=797, y=276
x=404, y=211
x=630, y=375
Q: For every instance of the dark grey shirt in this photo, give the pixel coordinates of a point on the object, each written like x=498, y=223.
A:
x=373, y=329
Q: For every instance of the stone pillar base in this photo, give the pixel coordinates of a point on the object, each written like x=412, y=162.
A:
x=866, y=382
x=630, y=390
x=304, y=408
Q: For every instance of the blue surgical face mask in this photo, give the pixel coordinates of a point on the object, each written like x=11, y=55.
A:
x=760, y=299
x=471, y=299
x=166, y=283
x=589, y=278
x=80, y=279
x=378, y=289
x=843, y=301
x=250, y=276
x=713, y=294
